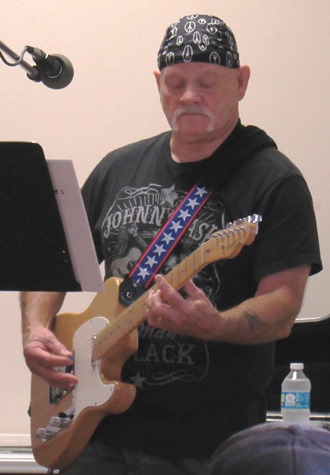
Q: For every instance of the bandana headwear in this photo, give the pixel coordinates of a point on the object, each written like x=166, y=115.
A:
x=198, y=38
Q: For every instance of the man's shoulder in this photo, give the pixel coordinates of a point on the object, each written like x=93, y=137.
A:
x=273, y=161
x=138, y=148
x=263, y=153
x=128, y=160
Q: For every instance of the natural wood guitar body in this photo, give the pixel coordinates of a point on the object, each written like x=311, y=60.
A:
x=102, y=338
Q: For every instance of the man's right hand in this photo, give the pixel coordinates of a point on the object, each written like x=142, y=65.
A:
x=45, y=355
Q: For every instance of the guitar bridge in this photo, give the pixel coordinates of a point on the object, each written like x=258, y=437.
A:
x=56, y=423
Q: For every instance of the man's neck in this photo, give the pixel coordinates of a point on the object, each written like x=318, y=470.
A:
x=194, y=149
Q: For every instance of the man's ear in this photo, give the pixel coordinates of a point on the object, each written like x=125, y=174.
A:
x=157, y=77
x=243, y=81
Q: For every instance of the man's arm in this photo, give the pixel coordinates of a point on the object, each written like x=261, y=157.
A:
x=42, y=351
x=266, y=317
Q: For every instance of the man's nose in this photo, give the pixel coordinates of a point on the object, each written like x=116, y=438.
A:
x=190, y=96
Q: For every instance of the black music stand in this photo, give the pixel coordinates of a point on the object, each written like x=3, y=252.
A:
x=33, y=248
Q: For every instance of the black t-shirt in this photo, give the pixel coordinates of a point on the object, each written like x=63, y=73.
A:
x=193, y=394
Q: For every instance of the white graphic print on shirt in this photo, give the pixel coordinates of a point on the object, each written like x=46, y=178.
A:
x=128, y=228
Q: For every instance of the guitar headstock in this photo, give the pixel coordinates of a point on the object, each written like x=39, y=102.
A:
x=227, y=243
x=254, y=219
x=244, y=223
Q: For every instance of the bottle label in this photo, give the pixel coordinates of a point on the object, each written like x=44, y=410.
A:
x=295, y=400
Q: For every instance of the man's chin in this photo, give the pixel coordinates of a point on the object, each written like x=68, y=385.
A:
x=192, y=125
x=193, y=131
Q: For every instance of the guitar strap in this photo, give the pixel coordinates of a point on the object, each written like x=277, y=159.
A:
x=240, y=147
x=168, y=237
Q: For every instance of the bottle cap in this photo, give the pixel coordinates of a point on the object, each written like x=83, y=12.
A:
x=296, y=366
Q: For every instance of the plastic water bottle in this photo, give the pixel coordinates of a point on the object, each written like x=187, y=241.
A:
x=295, y=396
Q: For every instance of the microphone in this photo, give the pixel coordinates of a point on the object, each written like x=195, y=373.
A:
x=55, y=71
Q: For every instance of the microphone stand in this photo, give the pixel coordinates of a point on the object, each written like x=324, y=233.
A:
x=32, y=71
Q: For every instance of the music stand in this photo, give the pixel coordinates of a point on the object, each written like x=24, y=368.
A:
x=34, y=254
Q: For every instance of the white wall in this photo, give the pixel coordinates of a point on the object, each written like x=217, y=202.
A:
x=113, y=100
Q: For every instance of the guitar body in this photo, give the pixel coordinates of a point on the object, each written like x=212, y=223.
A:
x=98, y=392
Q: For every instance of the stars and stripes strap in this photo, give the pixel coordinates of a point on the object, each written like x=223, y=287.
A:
x=167, y=238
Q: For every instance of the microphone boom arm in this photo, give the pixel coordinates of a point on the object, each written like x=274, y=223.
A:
x=19, y=61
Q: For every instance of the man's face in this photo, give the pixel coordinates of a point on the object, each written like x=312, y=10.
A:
x=201, y=99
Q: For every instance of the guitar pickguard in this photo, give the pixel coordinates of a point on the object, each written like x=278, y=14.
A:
x=91, y=390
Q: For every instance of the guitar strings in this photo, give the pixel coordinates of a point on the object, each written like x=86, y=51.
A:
x=97, y=344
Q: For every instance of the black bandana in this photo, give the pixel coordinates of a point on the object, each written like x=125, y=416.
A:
x=198, y=38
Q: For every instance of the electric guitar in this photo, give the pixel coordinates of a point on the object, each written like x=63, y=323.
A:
x=101, y=339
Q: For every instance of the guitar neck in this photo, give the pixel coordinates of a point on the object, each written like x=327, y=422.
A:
x=224, y=244
x=131, y=317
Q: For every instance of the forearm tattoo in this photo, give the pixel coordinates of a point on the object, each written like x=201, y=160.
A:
x=254, y=322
